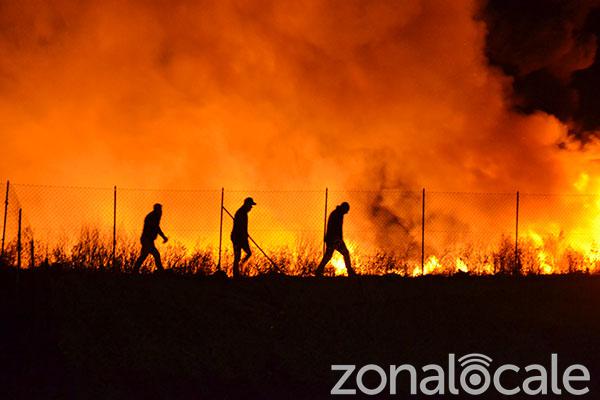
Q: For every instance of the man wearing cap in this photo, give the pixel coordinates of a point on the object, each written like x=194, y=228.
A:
x=149, y=233
x=239, y=235
x=334, y=239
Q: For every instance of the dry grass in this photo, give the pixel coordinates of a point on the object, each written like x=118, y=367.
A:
x=91, y=249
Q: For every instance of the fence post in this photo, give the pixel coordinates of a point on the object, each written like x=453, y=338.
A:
x=423, y=234
x=5, y=211
x=325, y=218
x=19, y=243
x=32, y=255
x=114, y=244
x=221, y=229
x=517, y=267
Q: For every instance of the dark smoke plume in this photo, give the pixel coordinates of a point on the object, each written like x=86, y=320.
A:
x=549, y=48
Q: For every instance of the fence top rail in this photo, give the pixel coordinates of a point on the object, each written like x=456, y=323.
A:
x=237, y=191
x=304, y=190
x=386, y=190
x=130, y=189
x=70, y=187
x=472, y=193
x=42, y=186
x=533, y=194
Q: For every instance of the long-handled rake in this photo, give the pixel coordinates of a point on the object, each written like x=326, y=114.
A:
x=276, y=267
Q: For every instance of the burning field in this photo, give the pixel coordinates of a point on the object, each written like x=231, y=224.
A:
x=387, y=232
x=374, y=100
x=462, y=133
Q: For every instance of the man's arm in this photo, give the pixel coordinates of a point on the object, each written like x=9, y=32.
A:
x=245, y=225
x=162, y=235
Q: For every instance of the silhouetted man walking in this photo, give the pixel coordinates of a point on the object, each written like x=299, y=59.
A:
x=334, y=239
x=149, y=233
x=239, y=235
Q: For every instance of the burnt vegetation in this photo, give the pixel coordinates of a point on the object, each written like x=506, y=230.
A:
x=92, y=251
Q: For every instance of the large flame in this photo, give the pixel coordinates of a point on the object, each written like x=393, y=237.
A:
x=276, y=96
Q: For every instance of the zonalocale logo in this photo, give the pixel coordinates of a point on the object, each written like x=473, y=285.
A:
x=474, y=376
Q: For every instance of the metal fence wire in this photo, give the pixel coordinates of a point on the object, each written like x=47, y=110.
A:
x=409, y=233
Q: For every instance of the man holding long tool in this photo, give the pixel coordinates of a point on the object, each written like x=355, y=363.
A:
x=239, y=235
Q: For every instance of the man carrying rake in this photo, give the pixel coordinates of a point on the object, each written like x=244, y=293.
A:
x=239, y=235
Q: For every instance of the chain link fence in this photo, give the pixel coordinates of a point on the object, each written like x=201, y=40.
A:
x=559, y=233
x=465, y=232
x=408, y=233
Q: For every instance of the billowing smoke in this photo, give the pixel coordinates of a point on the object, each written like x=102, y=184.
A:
x=287, y=95
x=265, y=94
x=549, y=48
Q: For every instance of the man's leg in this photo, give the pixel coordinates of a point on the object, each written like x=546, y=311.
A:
x=326, y=257
x=138, y=263
x=246, y=248
x=157, y=261
x=237, y=254
x=344, y=251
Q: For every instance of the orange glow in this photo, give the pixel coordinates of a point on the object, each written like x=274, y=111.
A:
x=266, y=95
x=461, y=266
x=432, y=266
x=338, y=264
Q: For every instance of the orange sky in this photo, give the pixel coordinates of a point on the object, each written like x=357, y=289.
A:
x=264, y=95
x=273, y=95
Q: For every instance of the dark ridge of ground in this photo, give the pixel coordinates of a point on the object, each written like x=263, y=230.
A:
x=82, y=335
